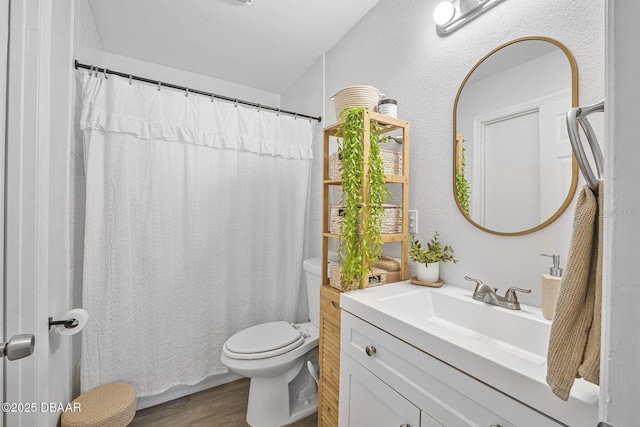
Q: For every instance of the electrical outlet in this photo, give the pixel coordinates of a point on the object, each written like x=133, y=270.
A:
x=413, y=221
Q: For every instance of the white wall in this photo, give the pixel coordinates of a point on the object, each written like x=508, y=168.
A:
x=306, y=95
x=185, y=78
x=409, y=62
x=60, y=286
x=620, y=388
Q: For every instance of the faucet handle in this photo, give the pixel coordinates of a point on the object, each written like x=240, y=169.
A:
x=478, y=281
x=480, y=285
x=511, y=296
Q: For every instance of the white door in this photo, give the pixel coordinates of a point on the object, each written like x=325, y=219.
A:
x=25, y=162
x=511, y=164
x=555, y=156
x=367, y=401
x=4, y=38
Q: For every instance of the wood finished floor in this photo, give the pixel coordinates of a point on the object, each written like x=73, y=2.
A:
x=221, y=406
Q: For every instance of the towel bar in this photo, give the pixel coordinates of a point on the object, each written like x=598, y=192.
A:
x=577, y=116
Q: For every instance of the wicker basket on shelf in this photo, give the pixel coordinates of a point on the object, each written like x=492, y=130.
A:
x=357, y=96
x=391, y=160
x=377, y=277
x=391, y=220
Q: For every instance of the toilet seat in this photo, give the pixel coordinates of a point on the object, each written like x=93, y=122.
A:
x=263, y=341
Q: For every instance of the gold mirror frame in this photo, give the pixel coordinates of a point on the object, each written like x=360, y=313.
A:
x=574, y=166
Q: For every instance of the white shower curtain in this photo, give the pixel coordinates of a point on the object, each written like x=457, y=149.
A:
x=194, y=229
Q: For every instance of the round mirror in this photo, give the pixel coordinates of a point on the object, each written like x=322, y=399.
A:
x=514, y=171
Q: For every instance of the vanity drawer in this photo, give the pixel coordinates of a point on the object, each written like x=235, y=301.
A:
x=447, y=395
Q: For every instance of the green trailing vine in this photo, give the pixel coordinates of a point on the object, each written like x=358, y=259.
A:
x=433, y=253
x=462, y=185
x=361, y=238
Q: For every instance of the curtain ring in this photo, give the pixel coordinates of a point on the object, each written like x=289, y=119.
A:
x=295, y=117
x=159, y=85
x=186, y=92
x=236, y=104
x=278, y=113
x=105, y=74
x=130, y=78
x=91, y=71
x=309, y=119
x=213, y=95
x=259, y=107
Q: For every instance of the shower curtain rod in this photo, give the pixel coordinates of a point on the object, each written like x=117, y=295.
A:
x=189, y=90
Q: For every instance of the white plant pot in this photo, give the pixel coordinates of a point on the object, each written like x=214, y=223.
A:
x=429, y=273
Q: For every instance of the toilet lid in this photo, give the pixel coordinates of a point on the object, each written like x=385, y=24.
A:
x=267, y=340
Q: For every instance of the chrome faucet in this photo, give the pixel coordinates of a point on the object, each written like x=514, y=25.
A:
x=486, y=293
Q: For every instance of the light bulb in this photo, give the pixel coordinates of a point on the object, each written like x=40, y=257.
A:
x=443, y=13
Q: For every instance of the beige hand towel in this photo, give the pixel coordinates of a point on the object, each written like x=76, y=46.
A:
x=574, y=344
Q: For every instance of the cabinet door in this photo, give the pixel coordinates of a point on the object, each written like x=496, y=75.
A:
x=427, y=421
x=367, y=401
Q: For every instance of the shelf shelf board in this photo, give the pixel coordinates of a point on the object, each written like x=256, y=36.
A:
x=388, y=178
x=396, y=179
x=386, y=238
x=333, y=181
x=387, y=123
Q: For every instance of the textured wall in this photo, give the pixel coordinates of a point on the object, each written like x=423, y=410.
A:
x=397, y=50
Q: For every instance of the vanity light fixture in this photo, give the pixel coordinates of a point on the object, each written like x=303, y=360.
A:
x=449, y=15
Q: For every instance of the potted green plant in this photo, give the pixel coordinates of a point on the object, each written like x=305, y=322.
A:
x=361, y=236
x=428, y=260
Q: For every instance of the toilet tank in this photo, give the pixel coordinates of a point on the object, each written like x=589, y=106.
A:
x=312, y=273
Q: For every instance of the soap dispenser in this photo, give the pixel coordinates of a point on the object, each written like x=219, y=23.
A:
x=550, y=287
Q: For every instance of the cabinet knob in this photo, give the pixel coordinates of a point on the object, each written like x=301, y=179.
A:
x=370, y=350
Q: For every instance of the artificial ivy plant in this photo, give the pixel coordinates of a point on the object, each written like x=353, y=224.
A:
x=462, y=185
x=361, y=237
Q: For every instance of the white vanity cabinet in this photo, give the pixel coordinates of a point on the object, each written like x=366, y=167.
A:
x=387, y=382
x=369, y=401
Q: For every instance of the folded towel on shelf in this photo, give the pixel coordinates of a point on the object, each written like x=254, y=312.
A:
x=387, y=263
x=574, y=343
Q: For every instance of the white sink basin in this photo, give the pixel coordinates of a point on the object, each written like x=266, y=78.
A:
x=523, y=333
x=506, y=349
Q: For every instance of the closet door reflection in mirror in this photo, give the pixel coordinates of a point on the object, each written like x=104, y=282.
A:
x=514, y=170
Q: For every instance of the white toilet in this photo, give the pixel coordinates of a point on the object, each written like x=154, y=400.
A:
x=275, y=355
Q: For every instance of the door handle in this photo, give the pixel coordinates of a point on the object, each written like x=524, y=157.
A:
x=19, y=346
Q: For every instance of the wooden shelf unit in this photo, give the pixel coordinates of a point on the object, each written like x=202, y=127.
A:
x=329, y=346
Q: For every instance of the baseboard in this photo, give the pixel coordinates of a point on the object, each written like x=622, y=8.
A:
x=181, y=391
